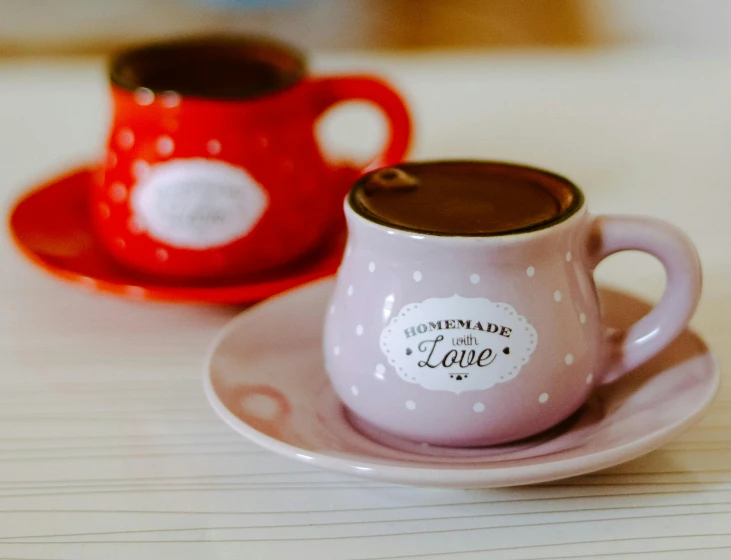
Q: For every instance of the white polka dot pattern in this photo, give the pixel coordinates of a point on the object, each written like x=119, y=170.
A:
x=104, y=211
x=118, y=192
x=213, y=147
x=165, y=145
x=170, y=99
x=144, y=96
x=134, y=226
x=125, y=138
x=140, y=169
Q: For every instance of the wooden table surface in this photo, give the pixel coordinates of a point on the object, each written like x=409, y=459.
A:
x=109, y=450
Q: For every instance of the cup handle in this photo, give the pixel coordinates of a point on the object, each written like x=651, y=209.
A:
x=612, y=234
x=337, y=89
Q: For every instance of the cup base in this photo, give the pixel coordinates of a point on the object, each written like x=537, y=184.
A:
x=212, y=277
x=578, y=426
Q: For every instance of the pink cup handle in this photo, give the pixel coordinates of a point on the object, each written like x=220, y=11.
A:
x=657, y=329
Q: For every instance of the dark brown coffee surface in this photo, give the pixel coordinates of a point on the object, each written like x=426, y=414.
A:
x=211, y=68
x=462, y=198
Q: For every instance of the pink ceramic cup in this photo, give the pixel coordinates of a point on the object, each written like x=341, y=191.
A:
x=478, y=340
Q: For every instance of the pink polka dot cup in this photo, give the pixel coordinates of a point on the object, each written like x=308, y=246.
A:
x=213, y=167
x=487, y=335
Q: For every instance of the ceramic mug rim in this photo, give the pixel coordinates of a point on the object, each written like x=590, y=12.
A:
x=290, y=61
x=576, y=205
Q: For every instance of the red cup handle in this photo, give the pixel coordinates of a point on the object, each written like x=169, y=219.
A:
x=337, y=89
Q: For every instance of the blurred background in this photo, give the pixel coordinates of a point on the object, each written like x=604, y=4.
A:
x=29, y=27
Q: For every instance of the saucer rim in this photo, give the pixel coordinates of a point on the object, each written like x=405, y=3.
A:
x=449, y=476
x=241, y=293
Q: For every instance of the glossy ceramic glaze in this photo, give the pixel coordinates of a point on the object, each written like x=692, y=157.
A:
x=51, y=226
x=201, y=186
x=265, y=378
x=470, y=341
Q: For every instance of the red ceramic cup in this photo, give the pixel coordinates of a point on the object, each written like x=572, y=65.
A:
x=213, y=166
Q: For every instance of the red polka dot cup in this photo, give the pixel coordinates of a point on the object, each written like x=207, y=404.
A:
x=213, y=168
x=483, y=338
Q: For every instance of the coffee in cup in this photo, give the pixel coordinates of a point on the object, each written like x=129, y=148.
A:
x=456, y=199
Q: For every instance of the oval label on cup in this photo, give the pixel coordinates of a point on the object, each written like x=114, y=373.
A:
x=458, y=344
x=197, y=203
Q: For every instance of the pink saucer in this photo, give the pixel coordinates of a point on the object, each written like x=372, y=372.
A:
x=51, y=226
x=264, y=378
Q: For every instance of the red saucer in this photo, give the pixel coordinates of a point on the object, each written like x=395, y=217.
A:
x=52, y=227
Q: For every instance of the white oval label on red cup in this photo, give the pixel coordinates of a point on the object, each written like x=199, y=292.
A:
x=458, y=344
x=197, y=203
